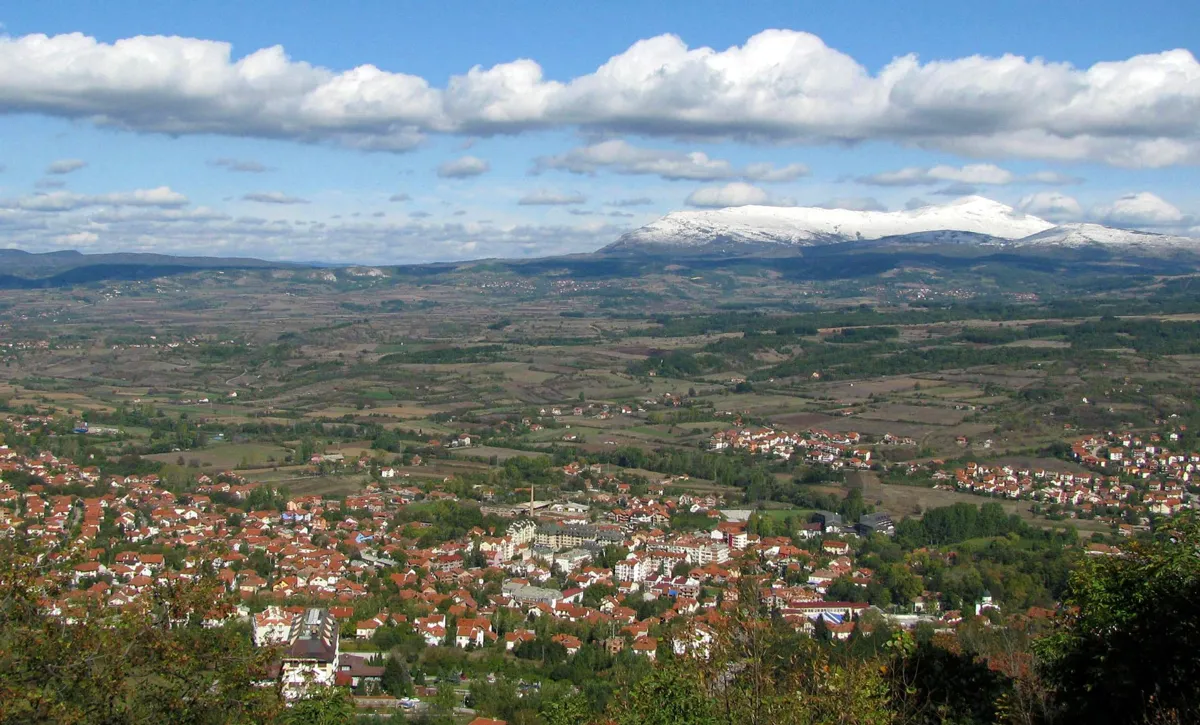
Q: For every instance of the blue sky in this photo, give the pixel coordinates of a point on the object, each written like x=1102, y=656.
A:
x=369, y=137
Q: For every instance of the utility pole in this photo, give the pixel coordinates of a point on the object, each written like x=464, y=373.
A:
x=531, y=500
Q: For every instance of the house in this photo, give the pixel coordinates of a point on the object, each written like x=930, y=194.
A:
x=879, y=523
x=432, y=629
x=487, y=721
x=311, y=655
x=516, y=638
x=570, y=643
x=839, y=548
x=646, y=647
x=473, y=632
x=355, y=671
x=271, y=626
x=827, y=519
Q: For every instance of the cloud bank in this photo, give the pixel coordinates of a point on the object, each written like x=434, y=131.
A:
x=624, y=158
x=780, y=86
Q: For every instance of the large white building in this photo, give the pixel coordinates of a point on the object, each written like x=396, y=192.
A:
x=272, y=626
x=633, y=569
x=309, y=647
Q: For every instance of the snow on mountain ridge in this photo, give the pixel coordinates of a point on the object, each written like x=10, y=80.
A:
x=1080, y=235
x=807, y=226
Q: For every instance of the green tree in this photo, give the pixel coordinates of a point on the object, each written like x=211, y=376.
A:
x=322, y=706
x=151, y=663
x=1126, y=652
x=670, y=695
x=396, y=681
x=445, y=700
x=570, y=710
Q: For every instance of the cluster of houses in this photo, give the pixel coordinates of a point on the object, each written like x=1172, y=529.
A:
x=1125, y=473
x=303, y=570
x=815, y=445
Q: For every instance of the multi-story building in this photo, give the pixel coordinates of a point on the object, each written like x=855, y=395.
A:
x=310, y=657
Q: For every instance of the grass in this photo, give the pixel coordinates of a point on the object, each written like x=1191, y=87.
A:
x=781, y=514
x=226, y=456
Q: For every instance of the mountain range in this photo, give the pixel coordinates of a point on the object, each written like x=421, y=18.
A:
x=815, y=243
x=969, y=220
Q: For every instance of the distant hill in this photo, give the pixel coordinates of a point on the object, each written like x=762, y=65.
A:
x=27, y=270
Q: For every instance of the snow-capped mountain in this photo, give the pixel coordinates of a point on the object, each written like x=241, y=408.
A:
x=805, y=226
x=1082, y=235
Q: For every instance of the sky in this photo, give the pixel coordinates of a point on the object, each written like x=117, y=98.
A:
x=399, y=132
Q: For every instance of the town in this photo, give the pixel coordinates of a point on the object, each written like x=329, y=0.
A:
x=602, y=560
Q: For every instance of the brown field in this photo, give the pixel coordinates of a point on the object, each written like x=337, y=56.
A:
x=927, y=415
x=903, y=501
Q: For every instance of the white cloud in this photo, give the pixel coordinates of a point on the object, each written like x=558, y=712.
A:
x=273, y=197
x=735, y=194
x=970, y=174
x=854, y=203
x=372, y=240
x=240, y=165
x=781, y=86
x=1052, y=178
x=632, y=201
x=624, y=158
x=1141, y=209
x=127, y=216
x=1051, y=205
x=400, y=197
x=957, y=190
x=59, y=201
x=463, y=167
x=65, y=166
x=768, y=172
x=548, y=197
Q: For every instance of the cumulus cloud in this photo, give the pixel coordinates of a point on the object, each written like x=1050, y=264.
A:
x=241, y=165
x=970, y=174
x=400, y=197
x=368, y=240
x=1051, y=205
x=854, y=203
x=622, y=157
x=59, y=201
x=1052, y=178
x=737, y=193
x=549, y=197
x=1142, y=209
x=632, y=201
x=1138, y=210
x=65, y=166
x=463, y=167
x=957, y=190
x=780, y=86
x=767, y=172
x=273, y=197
